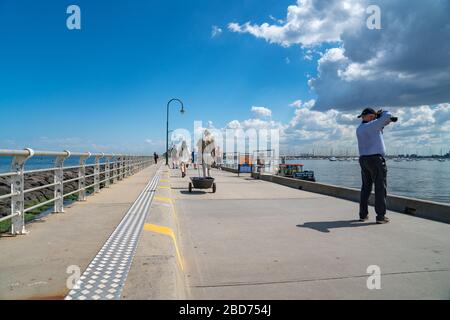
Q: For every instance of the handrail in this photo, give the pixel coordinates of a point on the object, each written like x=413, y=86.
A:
x=113, y=168
x=26, y=152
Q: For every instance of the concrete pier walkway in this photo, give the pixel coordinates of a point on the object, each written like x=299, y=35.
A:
x=259, y=240
x=250, y=240
x=34, y=266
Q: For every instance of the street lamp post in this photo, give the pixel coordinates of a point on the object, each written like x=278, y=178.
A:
x=167, y=126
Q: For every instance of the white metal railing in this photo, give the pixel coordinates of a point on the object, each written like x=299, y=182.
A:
x=116, y=167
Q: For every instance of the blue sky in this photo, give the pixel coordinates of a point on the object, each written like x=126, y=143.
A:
x=111, y=80
x=105, y=87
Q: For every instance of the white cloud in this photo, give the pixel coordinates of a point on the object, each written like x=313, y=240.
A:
x=262, y=111
x=424, y=129
x=235, y=124
x=406, y=63
x=234, y=27
x=296, y=103
x=310, y=22
x=299, y=104
x=216, y=31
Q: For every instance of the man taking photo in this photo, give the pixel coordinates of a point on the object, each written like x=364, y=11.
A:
x=373, y=165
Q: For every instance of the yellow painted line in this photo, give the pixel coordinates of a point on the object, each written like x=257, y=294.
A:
x=170, y=203
x=163, y=187
x=168, y=232
x=174, y=211
x=163, y=199
x=163, y=180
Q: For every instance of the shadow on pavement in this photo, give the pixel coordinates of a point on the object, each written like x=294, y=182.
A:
x=325, y=226
x=193, y=192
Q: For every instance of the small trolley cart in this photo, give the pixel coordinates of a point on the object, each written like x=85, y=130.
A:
x=202, y=182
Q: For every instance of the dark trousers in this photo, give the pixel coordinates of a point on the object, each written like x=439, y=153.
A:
x=373, y=171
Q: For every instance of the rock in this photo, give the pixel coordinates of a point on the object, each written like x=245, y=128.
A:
x=37, y=179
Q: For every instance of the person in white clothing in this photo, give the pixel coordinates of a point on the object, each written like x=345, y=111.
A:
x=206, y=152
x=174, y=157
x=183, y=157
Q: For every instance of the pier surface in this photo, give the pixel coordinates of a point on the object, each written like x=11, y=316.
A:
x=251, y=239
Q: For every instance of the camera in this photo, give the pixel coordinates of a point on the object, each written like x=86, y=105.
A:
x=380, y=112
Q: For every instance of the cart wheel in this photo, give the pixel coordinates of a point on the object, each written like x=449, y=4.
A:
x=214, y=188
x=190, y=187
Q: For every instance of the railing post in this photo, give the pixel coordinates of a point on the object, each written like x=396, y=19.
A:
x=59, y=180
x=115, y=170
x=82, y=178
x=107, y=172
x=17, y=188
x=125, y=167
x=130, y=166
x=97, y=173
x=120, y=168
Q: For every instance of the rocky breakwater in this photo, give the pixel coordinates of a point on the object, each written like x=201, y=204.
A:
x=33, y=180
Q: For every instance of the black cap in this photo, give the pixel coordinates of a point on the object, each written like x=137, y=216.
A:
x=367, y=111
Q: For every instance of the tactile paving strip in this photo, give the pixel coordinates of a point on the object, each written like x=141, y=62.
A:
x=105, y=276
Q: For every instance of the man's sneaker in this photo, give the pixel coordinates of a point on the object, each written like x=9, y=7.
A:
x=363, y=219
x=383, y=221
